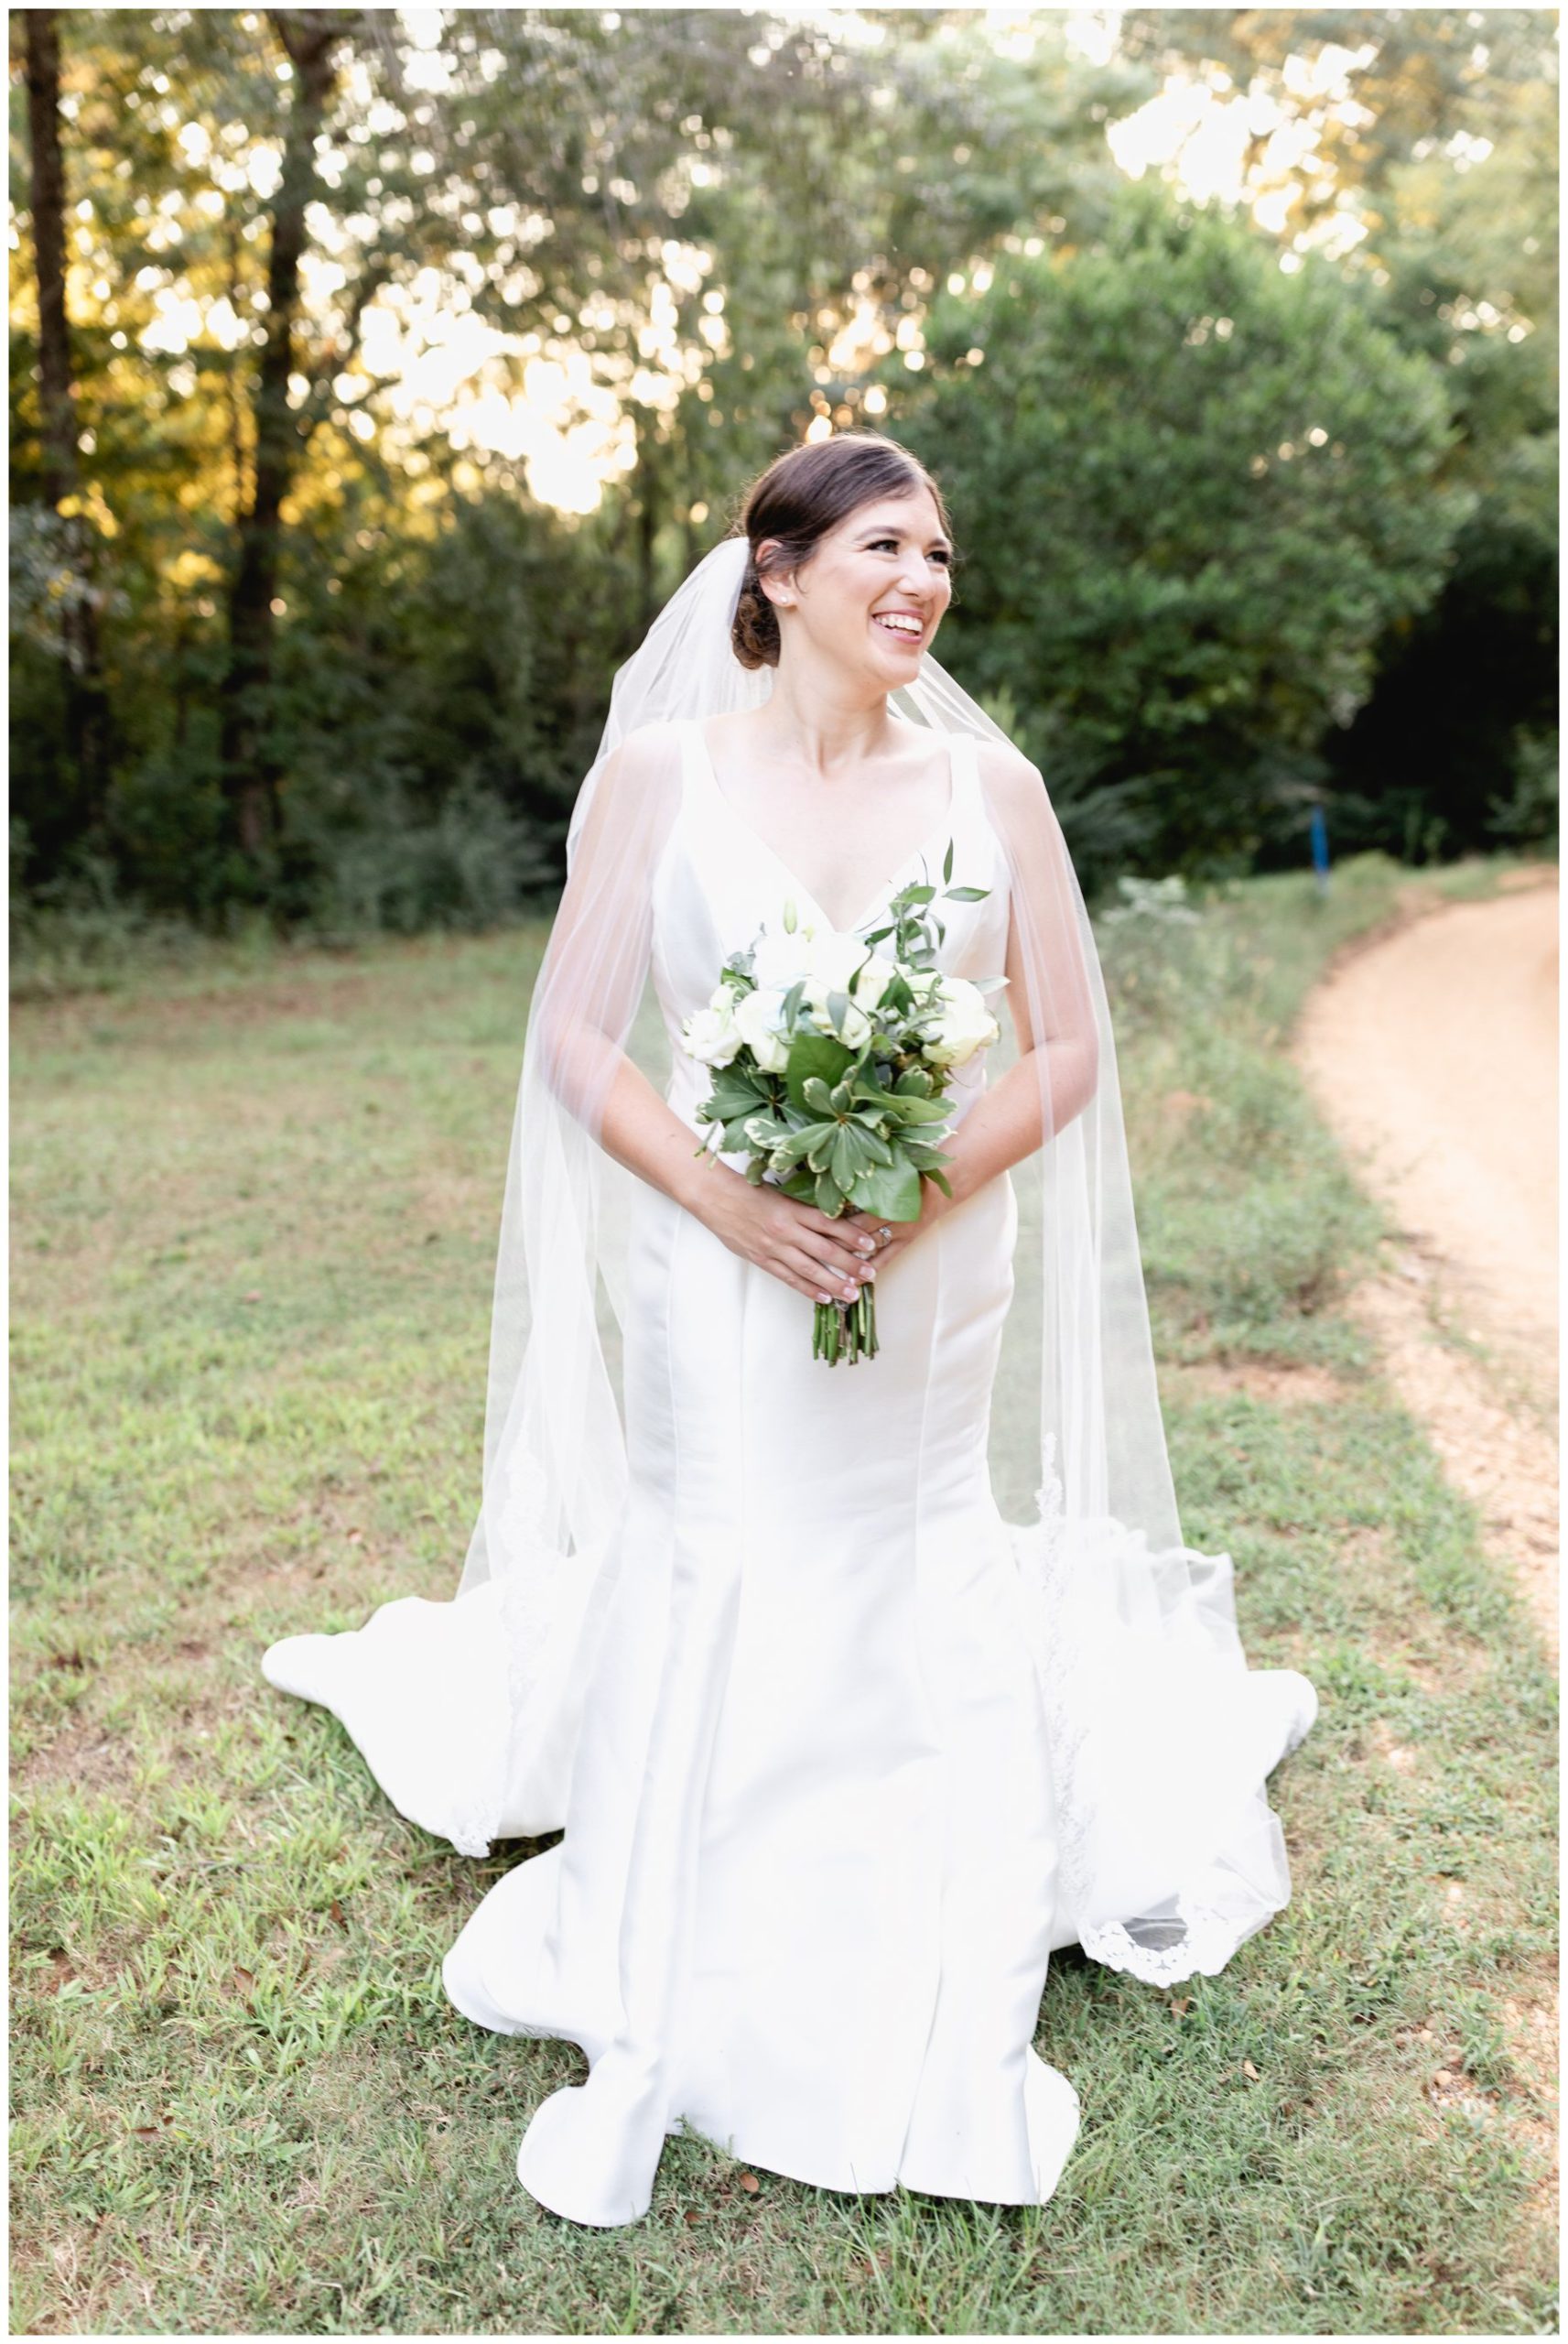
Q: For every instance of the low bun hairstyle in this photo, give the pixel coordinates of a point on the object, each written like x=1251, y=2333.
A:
x=803, y=495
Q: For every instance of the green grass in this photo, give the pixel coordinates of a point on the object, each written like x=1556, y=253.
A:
x=254, y=1221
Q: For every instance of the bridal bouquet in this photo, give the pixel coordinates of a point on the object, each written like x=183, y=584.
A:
x=830, y=1064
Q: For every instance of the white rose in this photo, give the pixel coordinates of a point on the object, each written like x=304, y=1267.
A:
x=758, y=1016
x=966, y=1025
x=711, y=1034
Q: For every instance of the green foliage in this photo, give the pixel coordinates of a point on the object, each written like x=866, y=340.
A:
x=1193, y=490
x=1527, y=814
x=775, y=206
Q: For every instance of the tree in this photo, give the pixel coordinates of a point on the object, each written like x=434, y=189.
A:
x=311, y=37
x=1439, y=146
x=1192, y=491
x=74, y=566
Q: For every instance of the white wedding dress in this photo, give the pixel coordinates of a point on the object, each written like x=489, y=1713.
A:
x=803, y=1728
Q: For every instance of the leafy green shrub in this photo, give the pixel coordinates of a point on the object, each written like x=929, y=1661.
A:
x=470, y=866
x=1526, y=814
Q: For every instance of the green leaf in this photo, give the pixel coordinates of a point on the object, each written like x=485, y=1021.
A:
x=872, y=1141
x=803, y=1143
x=892, y=1189
x=913, y=1082
x=814, y=1054
x=735, y=1091
x=947, y=864
x=967, y=895
x=844, y=1162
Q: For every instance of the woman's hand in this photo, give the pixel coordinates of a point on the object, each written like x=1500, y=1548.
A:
x=933, y=1205
x=823, y=1259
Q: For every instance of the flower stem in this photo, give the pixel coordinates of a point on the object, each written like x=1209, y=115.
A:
x=846, y=1330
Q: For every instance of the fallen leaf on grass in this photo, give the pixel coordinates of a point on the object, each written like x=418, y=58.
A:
x=749, y=2182
x=1250, y=2071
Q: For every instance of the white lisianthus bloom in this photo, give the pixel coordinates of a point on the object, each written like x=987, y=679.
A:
x=852, y=1028
x=966, y=1024
x=872, y=980
x=780, y=959
x=757, y=1018
x=832, y=960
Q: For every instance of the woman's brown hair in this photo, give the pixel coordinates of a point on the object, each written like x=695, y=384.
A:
x=803, y=495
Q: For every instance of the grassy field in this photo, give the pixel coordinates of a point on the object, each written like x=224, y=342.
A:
x=254, y=1210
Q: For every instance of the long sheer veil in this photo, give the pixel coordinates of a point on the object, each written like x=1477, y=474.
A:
x=1161, y=1738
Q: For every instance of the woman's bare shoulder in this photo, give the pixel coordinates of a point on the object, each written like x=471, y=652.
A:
x=649, y=753
x=1006, y=772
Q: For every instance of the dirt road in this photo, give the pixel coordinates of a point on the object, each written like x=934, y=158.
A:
x=1432, y=1053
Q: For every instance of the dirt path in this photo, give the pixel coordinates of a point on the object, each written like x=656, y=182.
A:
x=1432, y=1053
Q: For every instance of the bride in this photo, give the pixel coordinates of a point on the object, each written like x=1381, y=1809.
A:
x=841, y=1754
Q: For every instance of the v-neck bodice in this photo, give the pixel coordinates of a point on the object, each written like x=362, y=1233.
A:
x=719, y=881
x=962, y=777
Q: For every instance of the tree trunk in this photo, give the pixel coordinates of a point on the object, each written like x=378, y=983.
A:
x=647, y=522
x=87, y=712
x=250, y=770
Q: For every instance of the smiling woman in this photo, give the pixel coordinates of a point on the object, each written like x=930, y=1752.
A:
x=842, y=1755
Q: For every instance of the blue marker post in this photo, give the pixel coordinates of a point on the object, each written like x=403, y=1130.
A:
x=1320, y=850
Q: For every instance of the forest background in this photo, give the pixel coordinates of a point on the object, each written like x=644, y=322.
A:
x=374, y=376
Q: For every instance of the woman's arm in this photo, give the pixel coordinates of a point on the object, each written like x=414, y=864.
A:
x=588, y=990
x=1048, y=992
x=1054, y=1078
